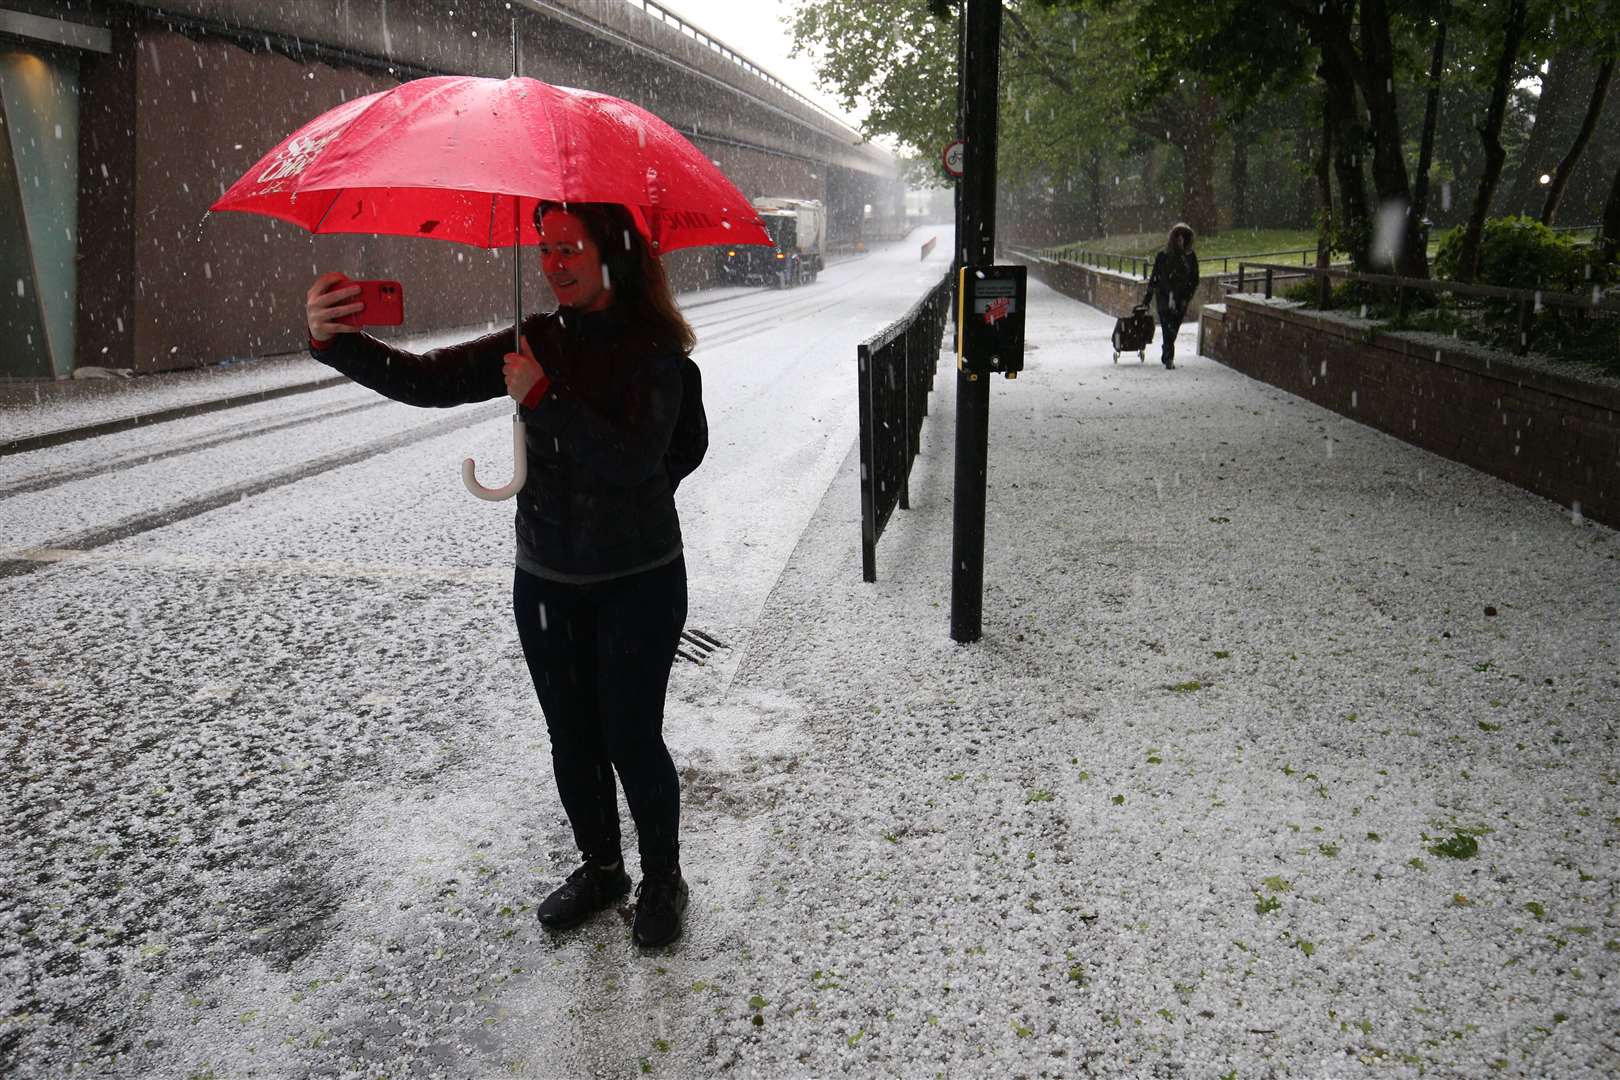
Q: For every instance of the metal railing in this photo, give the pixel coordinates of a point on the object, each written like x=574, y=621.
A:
x=702, y=37
x=1527, y=303
x=1140, y=265
x=896, y=373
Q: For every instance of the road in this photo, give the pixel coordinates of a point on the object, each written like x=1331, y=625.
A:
x=276, y=788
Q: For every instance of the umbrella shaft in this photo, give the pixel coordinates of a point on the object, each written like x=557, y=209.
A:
x=517, y=278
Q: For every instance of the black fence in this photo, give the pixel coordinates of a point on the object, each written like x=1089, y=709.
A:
x=1140, y=265
x=897, y=369
x=1514, y=314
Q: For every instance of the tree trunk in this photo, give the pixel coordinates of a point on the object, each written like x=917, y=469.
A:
x=1094, y=209
x=1608, y=240
x=1307, y=197
x=1377, y=79
x=1322, y=167
x=1594, y=107
x=1557, y=92
x=1197, y=145
x=1431, y=116
x=1343, y=132
x=1491, y=136
x=1240, y=177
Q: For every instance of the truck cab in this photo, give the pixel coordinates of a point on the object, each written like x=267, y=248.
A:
x=797, y=228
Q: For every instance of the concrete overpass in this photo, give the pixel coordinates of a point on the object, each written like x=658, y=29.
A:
x=169, y=101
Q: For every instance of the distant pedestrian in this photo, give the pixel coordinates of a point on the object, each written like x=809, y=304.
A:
x=1172, y=284
x=614, y=412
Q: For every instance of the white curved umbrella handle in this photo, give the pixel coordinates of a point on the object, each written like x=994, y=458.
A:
x=520, y=472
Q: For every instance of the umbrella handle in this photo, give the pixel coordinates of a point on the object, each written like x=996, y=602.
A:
x=520, y=469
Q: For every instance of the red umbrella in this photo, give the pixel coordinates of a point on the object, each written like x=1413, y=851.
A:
x=466, y=159
x=463, y=158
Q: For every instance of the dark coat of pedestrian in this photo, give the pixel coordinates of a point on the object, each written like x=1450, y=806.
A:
x=1172, y=284
x=614, y=416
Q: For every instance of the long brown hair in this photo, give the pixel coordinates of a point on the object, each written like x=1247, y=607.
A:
x=640, y=289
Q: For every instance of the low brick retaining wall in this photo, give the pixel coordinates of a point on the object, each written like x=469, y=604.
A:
x=1107, y=290
x=1547, y=433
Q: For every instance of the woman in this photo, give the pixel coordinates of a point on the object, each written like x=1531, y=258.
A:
x=1173, y=282
x=614, y=414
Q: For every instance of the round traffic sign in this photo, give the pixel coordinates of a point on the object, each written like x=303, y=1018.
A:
x=954, y=153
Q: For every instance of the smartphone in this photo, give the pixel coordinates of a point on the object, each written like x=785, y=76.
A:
x=385, y=304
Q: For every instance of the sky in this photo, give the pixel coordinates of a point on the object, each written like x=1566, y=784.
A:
x=757, y=30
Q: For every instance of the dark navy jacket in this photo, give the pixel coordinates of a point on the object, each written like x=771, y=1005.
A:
x=599, y=500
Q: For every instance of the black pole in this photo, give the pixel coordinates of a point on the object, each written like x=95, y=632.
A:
x=958, y=250
x=979, y=78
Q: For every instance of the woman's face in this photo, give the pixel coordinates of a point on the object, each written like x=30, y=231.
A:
x=572, y=263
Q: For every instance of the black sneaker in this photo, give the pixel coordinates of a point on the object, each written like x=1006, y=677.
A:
x=660, y=902
x=588, y=890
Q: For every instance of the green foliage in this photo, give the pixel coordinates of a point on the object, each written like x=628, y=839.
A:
x=1517, y=252
x=1458, y=846
x=1067, y=85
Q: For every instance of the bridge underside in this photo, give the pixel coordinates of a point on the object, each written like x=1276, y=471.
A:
x=192, y=92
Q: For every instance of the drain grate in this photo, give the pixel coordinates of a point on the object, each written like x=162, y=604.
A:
x=697, y=646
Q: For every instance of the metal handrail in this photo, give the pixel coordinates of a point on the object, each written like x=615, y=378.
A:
x=1107, y=260
x=703, y=37
x=1528, y=301
x=1598, y=299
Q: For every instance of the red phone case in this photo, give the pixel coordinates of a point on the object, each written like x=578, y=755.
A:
x=385, y=304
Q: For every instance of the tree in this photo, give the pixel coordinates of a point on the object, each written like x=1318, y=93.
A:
x=1071, y=94
x=898, y=57
x=1490, y=134
x=1364, y=53
x=1568, y=64
x=1590, y=24
x=1431, y=115
x=1250, y=49
x=1566, y=165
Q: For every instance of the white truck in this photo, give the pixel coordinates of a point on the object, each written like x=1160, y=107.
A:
x=799, y=229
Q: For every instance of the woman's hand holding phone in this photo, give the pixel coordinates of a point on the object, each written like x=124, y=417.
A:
x=330, y=299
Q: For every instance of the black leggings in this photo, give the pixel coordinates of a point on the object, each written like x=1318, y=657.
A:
x=1170, y=318
x=600, y=656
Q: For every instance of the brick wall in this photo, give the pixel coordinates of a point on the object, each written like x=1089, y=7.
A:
x=1547, y=433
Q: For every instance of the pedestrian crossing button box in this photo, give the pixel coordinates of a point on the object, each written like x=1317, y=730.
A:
x=990, y=319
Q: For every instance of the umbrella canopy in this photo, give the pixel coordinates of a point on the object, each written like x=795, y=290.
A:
x=464, y=158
